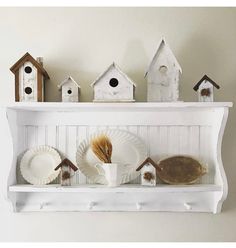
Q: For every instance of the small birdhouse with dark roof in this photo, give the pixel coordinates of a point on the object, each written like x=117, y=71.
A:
x=70, y=90
x=205, y=89
x=148, y=172
x=30, y=77
x=67, y=171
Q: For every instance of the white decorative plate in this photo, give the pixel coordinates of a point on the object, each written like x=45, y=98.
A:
x=38, y=164
x=127, y=149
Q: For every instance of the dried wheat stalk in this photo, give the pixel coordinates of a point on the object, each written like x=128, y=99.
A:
x=102, y=148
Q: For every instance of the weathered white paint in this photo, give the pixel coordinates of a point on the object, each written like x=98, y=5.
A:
x=103, y=91
x=148, y=168
x=206, y=85
x=28, y=80
x=194, y=129
x=70, y=90
x=163, y=76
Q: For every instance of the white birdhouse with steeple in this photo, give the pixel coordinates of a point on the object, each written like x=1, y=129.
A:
x=163, y=75
x=70, y=90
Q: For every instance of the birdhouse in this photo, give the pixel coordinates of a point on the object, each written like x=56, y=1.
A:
x=163, y=76
x=148, y=172
x=30, y=77
x=113, y=86
x=205, y=89
x=67, y=171
x=70, y=90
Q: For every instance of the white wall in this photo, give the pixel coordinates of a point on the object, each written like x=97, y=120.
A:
x=82, y=42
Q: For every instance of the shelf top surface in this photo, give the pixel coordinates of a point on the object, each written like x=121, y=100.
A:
x=90, y=106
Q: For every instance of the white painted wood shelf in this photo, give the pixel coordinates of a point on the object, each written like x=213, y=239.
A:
x=131, y=188
x=191, y=128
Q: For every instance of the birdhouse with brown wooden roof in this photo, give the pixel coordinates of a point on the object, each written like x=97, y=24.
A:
x=148, y=172
x=68, y=170
x=30, y=77
x=205, y=88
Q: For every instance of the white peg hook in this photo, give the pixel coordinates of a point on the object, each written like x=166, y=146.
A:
x=139, y=206
x=187, y=206
x=91, y=205
x=43, y=204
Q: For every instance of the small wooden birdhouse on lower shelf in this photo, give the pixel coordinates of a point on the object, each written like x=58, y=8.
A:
x=70, y=90
x=30, y=77
x=113, y=86
x=66, y=171
x=148, y=172
x=205, y=89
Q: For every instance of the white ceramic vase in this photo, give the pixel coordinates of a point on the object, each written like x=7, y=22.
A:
x=112, y=172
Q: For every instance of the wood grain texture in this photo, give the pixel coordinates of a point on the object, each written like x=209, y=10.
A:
x=17, y=85
x=40, y=86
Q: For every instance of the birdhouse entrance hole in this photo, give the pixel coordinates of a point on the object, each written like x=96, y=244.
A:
x=113, y=82
x=28, y=69
x=163, y=69
x=28, y=90
x=69, y=92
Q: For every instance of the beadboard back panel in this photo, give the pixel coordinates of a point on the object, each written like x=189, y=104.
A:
x=161, y=141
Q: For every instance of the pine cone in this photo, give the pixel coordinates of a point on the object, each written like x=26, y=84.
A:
x=148, y=176
x=65, y=175
x=205, y=92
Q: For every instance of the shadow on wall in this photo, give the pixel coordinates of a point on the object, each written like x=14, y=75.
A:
x=198, y=57
x=134, y=65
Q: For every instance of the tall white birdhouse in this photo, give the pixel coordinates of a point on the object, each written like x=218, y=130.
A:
x=68, y=170
x=148, y=172
x=163, y=76
x=113, y=85
x=70, y=90
x=205, y=88
x=30, y=77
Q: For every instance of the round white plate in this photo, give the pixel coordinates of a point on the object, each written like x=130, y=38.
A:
x=127, y=149
x=38, y=164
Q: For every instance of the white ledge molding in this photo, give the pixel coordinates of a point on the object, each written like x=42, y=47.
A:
x=190, y=128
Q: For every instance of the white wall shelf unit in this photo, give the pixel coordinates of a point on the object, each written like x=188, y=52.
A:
x=190, y=128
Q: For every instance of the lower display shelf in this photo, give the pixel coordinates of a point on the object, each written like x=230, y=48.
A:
x=54, y=188
x=129, y=197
